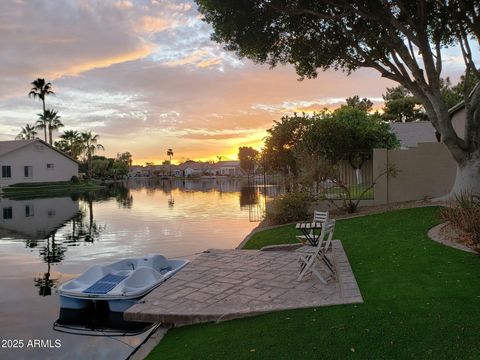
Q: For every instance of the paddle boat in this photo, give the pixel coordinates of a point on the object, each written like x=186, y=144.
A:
x=121, y=284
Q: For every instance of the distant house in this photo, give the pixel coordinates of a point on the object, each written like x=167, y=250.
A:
x=458, y=113
x=28, y=161
x=410, y=134
x=194, y=168
x=229, y=168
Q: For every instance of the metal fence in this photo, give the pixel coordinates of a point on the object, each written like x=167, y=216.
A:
x=349, y=182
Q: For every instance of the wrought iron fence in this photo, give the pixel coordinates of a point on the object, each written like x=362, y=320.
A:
x=349, y=182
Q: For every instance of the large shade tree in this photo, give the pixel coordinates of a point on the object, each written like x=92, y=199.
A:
x=40, y=89
x=403, y=40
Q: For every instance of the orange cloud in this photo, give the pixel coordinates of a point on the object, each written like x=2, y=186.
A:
x=102, y=62
x=150, y=24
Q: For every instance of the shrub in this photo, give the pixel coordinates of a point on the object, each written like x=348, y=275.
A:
x=289, y=207
x=464, y=216
x=74, y=179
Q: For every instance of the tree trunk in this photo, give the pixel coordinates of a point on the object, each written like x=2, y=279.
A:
x=45, y=128
x=468, y=176
x=50, y=134
x=358, y=175
x=90, y=166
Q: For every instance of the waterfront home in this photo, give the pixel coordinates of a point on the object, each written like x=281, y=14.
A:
x=229, y=168
x=192, y=168
x=33, y=161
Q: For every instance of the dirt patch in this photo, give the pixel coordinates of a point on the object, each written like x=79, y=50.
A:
x=445, y=234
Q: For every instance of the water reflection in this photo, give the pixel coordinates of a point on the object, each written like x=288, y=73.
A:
x=35, y=219
x=45, y=241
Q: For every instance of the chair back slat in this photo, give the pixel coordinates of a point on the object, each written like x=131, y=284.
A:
x=320, y=216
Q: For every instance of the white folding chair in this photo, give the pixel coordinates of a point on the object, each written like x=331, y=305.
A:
x=318, y=217
x=310, y=256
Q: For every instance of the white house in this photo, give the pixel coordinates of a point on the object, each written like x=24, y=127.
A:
x=24, y=161
x=229, y=168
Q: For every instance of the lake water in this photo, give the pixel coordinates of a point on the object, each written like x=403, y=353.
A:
x=45, y=241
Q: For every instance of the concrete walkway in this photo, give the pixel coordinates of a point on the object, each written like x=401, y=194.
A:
x=228, y=284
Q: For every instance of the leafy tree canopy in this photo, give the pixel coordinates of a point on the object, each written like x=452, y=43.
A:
x=403, y=40
x=348, y=134
x=280, y=144
x=402, y=106
x=248, y=156
x=361, y=104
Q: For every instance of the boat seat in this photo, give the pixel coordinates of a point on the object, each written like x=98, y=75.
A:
x=105, y=284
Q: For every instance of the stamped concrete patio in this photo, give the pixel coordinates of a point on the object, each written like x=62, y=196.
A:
x=227, y=284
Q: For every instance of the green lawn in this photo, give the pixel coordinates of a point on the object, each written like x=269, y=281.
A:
x=356, y=191
x=422, y=300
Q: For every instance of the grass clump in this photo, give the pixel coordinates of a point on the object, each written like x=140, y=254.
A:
x=464, y=215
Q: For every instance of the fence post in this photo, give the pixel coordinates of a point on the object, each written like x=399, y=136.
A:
x=380, y=163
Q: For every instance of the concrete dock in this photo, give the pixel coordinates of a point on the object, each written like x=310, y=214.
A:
x=227, y=284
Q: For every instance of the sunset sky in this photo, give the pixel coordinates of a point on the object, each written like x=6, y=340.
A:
x=146, y=77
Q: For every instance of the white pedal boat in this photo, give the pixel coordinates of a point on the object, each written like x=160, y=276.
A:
x=120, y=283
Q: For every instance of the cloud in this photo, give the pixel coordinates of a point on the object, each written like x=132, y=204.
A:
x=145, y=75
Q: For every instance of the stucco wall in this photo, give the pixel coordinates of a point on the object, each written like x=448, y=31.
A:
x=38, y=156
x=425, y=171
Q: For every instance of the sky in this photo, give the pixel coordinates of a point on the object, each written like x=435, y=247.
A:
x=146, y=77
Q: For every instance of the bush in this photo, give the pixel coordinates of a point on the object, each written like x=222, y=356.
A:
x=464, y=216
x=289, y=207
x=74, y=179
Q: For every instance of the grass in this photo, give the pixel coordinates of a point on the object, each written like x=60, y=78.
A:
x=356, y=191
x=421, y=300
x=47, y=188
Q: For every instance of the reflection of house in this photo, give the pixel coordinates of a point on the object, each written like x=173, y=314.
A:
x=36, y=218
x=27, y=161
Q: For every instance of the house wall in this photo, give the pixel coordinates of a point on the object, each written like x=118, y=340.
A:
x=38, y=156
x=458, y=122
x=425, y=171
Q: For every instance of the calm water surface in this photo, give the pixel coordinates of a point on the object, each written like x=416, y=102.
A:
x=45, y=241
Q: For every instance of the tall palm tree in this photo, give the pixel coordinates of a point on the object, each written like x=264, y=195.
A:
x=54, y=124
x=74, y=143
x=90, y=145
x=49, y=120
x=27, y=133
x=41, y=89
x=170, y=154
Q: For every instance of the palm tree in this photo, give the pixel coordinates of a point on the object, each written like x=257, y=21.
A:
x=49, y=120
x=90, y=145
x=27, y=133
x=73, y=142
x=170, y=154
x=41, y=89
x=54, y=125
